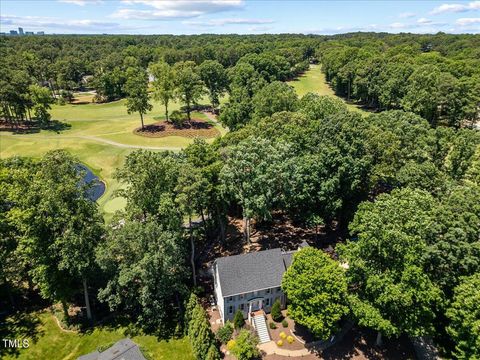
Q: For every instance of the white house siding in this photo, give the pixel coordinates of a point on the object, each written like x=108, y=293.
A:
x=233, y=303
x=218, y=294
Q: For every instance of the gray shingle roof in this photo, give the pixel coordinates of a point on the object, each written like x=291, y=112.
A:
x=124, y=349
x=254, y=271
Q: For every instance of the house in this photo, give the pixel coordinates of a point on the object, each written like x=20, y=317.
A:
x=250, y=282
x=124, y=349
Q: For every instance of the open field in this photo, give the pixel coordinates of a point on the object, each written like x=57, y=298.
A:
x=313, y=80
x=100, y=136
x=55, y=344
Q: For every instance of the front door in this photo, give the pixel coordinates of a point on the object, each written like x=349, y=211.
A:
x=256, y=305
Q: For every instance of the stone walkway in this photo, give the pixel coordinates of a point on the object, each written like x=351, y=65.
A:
x=270, y=348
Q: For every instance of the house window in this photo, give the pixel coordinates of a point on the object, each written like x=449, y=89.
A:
x=242, y=307
x=267, y=301
x=241, y=296
x=278, y=290
x=267, y=291
x=230, y=309
x=230, y=299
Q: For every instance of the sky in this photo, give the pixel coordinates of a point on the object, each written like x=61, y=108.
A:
x=238, y=16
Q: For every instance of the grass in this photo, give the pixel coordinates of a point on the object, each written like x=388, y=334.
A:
x=313, y=80
x=101, y=136
x=48, y=341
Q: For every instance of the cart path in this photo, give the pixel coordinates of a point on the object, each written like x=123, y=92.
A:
x=97, y=139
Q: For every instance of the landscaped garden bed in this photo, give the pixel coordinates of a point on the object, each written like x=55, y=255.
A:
x=190, y=129
x=284, y=336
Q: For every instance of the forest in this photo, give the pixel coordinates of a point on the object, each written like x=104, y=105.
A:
x=397, y=186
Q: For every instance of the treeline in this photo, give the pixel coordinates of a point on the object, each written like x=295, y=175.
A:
x=63, y=64
x=437, y=77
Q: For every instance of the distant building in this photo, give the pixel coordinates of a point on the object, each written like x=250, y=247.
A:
x=29, y=33
x=13, y=32
x=20, y=31
x=40, y=32
x=124, y=349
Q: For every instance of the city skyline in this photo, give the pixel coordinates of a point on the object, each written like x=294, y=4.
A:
x=239, y=16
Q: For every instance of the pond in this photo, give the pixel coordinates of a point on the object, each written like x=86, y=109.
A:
x=97, y=187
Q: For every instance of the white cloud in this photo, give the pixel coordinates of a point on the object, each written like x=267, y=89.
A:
x=467, y=21
x=231, y=21
x=81, y=2
x=424, y=21
x=42, y=23
x=406, y=15
x=449, y=8
x=398, y=25
x=167, y=9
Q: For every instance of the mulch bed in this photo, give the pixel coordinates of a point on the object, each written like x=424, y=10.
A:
x=192, y=129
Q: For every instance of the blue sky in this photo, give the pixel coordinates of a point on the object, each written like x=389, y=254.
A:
x=238, y=16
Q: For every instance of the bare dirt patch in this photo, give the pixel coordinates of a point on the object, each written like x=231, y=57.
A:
x=191, y=129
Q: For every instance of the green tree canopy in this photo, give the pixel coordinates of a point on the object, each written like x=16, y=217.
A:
x=316, y=288
x=464, y=316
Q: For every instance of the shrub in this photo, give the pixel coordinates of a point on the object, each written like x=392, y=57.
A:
x=276, y=311
x=272, y=325
x=225, y=332
x=231, y=344
x=283, y=335
x=284, y=323
x=245, y=347
x=238, y=320
x=177, y=118
x=280, y=342
x=290, y=339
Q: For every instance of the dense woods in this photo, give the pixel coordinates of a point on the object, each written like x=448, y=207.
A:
x=403, y=182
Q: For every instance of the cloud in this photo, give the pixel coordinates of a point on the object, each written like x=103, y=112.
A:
x=424, y=21
x=406, y=15
x=81, y=2
x=397, y=25
x=232, y=21
x=260, y=29
x=168, y=10
x=467, y=21
x=42, y=23
x=456, y=8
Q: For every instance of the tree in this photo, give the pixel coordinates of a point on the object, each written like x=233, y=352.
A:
x=214, y=76
x=149, y=177
x=189, y=85
x=163, y=84
x=391, y=291
x=145, y=272
x=254, y=175
x=225, y=332
x=200, y=332
x=274, y=97
x=245, y=347
x=276, y=311
x=42, y=99
x=464, y=316
x=136, y=88
x=60, y=229
x=316, y=288
x=422, y=93
x=238, y=320
x=191, y=192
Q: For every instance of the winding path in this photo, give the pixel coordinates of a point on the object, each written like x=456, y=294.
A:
x=97, y=139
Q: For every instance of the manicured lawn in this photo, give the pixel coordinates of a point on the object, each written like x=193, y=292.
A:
x=100, y=136
x=54, y=344
x=314, y=81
